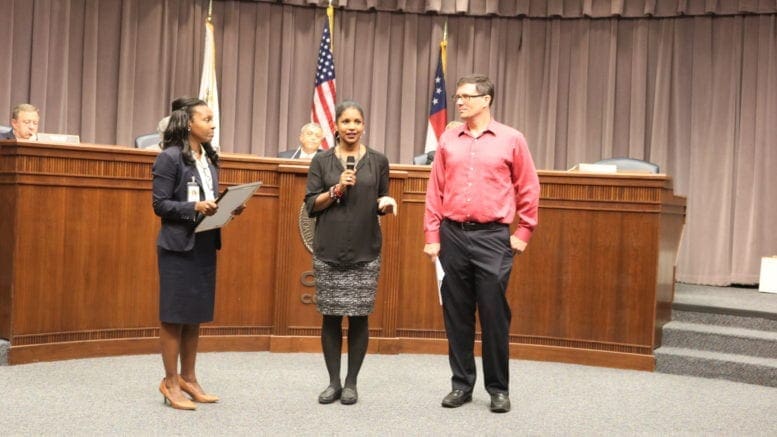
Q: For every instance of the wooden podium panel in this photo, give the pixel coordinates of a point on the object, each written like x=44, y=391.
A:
x=591, y=277
x=78, y=274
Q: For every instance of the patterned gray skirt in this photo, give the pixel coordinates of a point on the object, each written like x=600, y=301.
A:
x=346, y=289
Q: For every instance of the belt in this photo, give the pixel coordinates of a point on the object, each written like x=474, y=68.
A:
x=475, y=226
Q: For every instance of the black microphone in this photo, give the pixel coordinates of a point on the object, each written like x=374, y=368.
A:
x=350, y=164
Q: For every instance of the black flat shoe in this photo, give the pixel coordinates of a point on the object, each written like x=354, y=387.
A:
x=500, y=403
x=330, y=394
x=350, y=396
x=456, y=398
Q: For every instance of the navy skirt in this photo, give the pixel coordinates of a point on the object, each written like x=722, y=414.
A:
x=187, y=281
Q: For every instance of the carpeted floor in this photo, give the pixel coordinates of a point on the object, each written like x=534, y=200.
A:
x=733, y=300
x=267, y=393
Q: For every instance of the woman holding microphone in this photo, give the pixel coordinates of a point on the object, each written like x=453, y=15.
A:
x=347, y=189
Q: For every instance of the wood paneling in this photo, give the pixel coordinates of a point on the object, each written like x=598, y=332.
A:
x=79, y=276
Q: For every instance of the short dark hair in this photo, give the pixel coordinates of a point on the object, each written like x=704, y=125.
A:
x=183, y=102
x=482, y=83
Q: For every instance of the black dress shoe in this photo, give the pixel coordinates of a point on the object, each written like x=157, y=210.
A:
x=350, y=396
x=330, y=394
x=500, y=403
x=456, y=398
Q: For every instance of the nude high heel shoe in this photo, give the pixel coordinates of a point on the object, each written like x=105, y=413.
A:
x=196, y=395
x=183, y=405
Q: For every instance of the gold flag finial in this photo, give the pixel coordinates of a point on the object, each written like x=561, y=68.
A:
x=330, y=12
x=444, y=47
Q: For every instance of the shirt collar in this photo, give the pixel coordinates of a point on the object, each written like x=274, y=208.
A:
x=491, y=127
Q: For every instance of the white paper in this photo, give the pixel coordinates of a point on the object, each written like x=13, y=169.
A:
x=594, y=168
x=440, y=275
x=768, y=278
x=229, y=200
x=386, y=200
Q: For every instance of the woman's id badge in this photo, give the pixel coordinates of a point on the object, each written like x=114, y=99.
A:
x=193, y=191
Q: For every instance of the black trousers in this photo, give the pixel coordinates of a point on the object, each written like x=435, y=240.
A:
x=477, y=262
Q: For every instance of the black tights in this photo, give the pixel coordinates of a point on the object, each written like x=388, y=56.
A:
x=332, y=344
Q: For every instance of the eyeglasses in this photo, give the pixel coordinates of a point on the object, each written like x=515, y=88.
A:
x=465, y=97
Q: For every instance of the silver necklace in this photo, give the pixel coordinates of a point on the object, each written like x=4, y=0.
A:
x=344, y=158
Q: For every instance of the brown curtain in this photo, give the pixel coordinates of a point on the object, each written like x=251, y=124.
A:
x=555, y=8
x=694, y=91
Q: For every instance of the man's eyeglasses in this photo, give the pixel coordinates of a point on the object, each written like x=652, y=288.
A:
x=465, y=97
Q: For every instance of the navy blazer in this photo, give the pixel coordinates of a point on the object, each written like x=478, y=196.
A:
x=169, y=194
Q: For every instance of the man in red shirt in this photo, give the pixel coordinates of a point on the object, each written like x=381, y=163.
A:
x=482, y=177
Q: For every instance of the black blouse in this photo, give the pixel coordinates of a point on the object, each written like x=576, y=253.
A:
x=348, y=232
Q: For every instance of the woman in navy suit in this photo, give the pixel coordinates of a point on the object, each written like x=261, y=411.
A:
x=185, y=185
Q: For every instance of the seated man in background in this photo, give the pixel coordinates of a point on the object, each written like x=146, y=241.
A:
x=310, y=137
x=24, y=123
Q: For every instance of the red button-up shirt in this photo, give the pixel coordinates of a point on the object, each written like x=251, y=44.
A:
x=490, y=178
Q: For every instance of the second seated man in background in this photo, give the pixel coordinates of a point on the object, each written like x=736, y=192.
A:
x=310, y=137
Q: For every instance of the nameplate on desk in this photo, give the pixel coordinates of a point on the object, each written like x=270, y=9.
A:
x=58, y=138
x=594, y=168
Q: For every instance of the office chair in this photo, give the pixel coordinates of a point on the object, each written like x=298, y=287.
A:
x=424, y=158
x=627, y=164
x=147, y=140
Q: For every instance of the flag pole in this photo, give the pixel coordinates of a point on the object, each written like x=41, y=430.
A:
x=330, y=12
x=438, y=111
x=324, y=94
x=208, y=83
x=209, y=27
x=444, y=47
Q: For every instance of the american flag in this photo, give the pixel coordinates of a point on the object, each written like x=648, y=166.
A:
x=438, y=114
x=323, y=111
